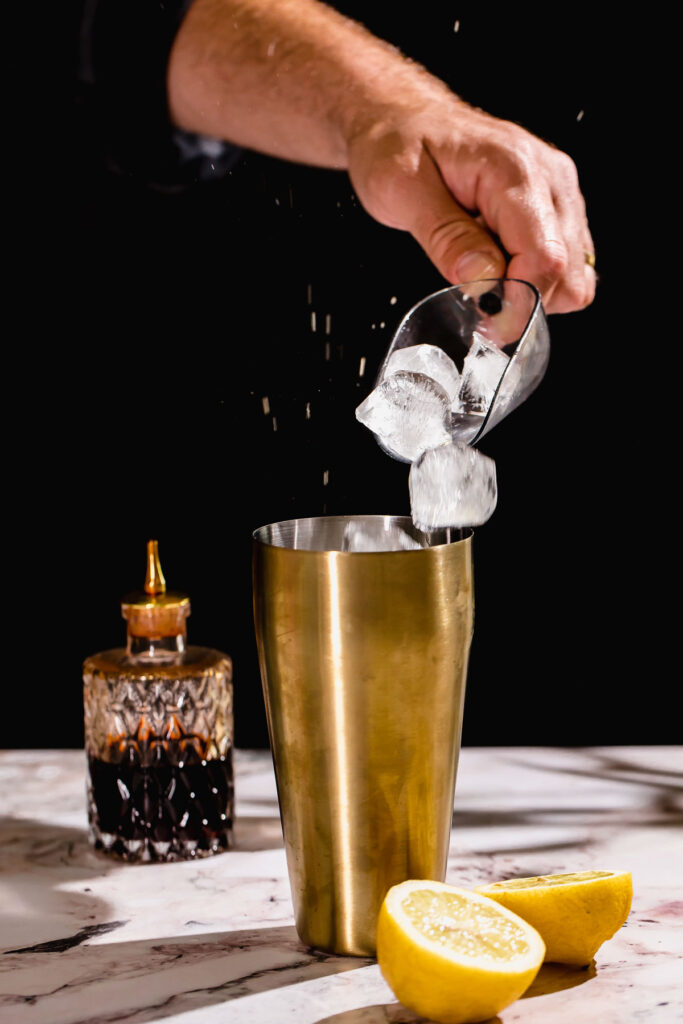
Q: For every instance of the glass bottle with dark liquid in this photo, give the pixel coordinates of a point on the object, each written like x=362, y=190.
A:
x=159, y=734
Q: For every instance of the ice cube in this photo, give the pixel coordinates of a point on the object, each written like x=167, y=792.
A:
x=377, y=535
x=408, y=413
x=453, y=485
x=430, y=360
x=483, y=367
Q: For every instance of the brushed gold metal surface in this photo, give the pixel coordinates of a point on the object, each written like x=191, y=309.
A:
x=363, y=659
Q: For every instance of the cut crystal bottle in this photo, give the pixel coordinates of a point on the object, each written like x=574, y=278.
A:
x=159, y=734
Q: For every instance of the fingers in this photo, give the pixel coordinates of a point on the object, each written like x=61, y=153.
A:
x=549, y=237
x=525, y=194
x=548, y=244
x=577, y=287
x=531, y=231
x=460, y=248
x=528, y=196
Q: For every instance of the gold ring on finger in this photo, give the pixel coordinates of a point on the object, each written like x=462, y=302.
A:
x=590, y=258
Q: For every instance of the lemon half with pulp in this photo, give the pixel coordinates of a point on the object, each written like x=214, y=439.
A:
x=575, y=913
x=453, y=955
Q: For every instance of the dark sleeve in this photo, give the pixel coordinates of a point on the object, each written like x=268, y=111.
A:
x=123, y=56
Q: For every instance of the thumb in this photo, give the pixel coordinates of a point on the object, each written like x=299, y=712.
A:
x=458, y=246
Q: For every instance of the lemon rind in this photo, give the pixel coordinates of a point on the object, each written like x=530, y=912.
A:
x=501, y=886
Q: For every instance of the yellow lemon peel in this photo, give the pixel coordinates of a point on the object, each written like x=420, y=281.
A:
x=574, y=912
x=452, y=955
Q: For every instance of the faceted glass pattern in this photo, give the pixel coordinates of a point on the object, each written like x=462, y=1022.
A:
x=159, y=740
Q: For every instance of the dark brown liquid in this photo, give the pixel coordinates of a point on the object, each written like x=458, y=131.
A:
x=185, y=803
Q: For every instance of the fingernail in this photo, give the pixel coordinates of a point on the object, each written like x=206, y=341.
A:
x=474, y=266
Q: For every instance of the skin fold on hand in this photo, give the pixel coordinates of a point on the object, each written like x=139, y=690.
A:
x=297, y=80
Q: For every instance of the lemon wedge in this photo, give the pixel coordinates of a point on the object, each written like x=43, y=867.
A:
x=575, y=913
x=452, y=955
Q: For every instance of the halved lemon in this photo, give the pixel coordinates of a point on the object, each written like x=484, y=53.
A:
x=575, y=913
x=453, y=955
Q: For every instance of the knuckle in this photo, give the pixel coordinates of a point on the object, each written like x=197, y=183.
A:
x=567, y=168
x=578, y=296
x=553, y=259
x=518, y=164
x=509, y=154
x=578, y=292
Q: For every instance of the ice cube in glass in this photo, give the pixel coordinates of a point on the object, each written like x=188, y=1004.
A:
x=408, y=413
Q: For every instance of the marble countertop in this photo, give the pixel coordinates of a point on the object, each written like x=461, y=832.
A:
x=88, y=940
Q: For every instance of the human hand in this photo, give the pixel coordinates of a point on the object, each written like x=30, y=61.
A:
x=295, y=79
x=482, y=196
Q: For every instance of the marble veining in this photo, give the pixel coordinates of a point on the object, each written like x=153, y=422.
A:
x=85, y=939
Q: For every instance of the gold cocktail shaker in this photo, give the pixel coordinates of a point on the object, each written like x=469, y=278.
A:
x=363, y=659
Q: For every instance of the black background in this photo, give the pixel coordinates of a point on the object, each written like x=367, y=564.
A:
x=145, y=330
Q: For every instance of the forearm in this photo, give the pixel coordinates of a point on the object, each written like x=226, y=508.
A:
x=291, y=78
x=297, y=80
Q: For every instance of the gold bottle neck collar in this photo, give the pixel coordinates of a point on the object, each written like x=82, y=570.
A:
x=155, y=612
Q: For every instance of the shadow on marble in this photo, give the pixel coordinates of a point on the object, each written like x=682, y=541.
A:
x=558, y=977
x=551, y=978
x=37, y=860
x=509, y=849
x=150, y=979
x=611, y=769
x=43, y=844
x=471, y=818
x=384, y=1013
x=257, y=833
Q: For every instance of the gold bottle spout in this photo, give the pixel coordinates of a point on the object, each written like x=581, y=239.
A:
x=154, y=612
x=155, y=583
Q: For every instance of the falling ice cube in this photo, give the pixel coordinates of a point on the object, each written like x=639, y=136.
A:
x=453, y=485
x=408, y=413
x=377, y=535
x=430, y=360
x=483, y=367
